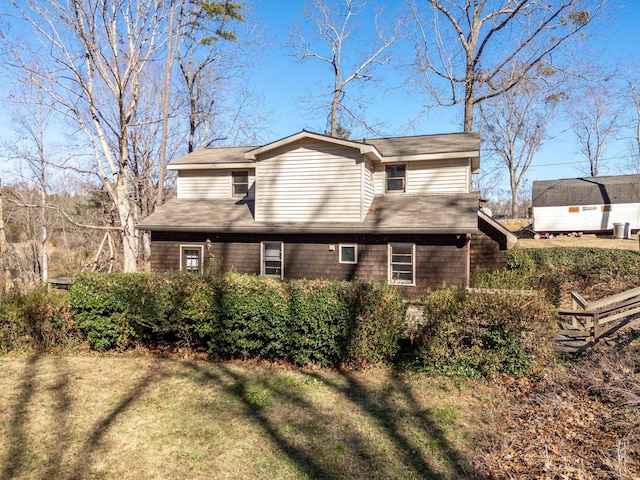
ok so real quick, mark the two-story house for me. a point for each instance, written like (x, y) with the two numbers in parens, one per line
(398, 210)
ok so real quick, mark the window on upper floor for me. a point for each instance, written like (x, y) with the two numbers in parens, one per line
(395, 178)
(240, 182)
(401, 263)
(191, 258)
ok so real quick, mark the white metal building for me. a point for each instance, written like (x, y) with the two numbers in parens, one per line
(591, 204)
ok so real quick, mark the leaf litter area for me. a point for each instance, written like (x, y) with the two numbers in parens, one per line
(578, 420)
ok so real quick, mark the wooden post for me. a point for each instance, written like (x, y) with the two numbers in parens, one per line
(596, 327)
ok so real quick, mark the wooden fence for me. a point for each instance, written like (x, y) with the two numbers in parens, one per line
(593, 320)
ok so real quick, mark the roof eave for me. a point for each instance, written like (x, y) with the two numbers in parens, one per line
(364, 149)
(209, 166)
(310, 229)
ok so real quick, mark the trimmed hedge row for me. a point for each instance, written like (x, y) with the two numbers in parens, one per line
(242, 316)
(324, 322)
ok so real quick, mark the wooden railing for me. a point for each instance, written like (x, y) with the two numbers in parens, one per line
(601, 317)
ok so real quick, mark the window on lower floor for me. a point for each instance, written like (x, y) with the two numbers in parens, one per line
(272, 259)
(191, 258)
(401, 263)
(348, 254)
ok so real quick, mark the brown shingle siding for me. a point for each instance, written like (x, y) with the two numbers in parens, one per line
(439, 258)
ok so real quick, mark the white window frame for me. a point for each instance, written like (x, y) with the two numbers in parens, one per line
(200, 248)
(233, 184)
(404, 183)
(355, 252)
(397, 281)
(263, 260)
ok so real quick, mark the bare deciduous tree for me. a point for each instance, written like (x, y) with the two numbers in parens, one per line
(514, 127)
(594, 116)
(464, 48)
(331, 42)
(632, 85)
(30, 148)
(94, 56)
(207, 56)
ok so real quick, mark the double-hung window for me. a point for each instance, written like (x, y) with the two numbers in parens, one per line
(240, 182)
(395, 178)
(191, 258)
(272, 259)
(402, 263)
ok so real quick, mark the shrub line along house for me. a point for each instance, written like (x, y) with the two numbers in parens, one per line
(398, 210)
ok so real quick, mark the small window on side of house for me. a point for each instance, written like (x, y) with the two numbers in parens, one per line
(191, 258)
(348, 253)
(395, 178)
(240, 182)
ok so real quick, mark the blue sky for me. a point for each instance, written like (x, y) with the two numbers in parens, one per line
(283, 82)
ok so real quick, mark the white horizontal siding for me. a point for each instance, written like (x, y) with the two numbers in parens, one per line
(207, 184)
(367, 189)
(429, 178)
(587, 218)
(309, 181)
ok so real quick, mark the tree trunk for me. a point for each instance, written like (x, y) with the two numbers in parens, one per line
(8, 281)
(44, 234)
(127, 222)
(334, 113)
(514, 197)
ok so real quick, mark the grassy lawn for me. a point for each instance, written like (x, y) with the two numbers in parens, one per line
(137, 417)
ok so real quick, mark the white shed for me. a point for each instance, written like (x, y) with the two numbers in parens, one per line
(591, 204)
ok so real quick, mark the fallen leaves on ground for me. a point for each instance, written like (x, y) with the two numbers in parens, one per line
(579, 420)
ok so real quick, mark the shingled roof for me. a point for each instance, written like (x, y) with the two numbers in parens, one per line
(426, 144)
(455, 214)
(586, 191)
(467, 144)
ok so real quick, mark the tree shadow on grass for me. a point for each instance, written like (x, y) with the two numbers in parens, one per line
(16, 457)
(59, 442)
(327, 445)
(365, 430)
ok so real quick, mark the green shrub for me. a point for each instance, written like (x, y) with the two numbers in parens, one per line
(590, 265)
(375, 335)
(250, 318)
(101, 305)
(322, 315)
(193, 319)
(503, 279)
(37, 320)
(242, 316)
(483, 334)
(119, 310)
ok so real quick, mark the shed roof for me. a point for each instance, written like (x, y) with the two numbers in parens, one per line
(455, 214)
(586, 191)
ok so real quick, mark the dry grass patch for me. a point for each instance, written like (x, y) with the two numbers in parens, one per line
(128, 417)
(589, 240)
